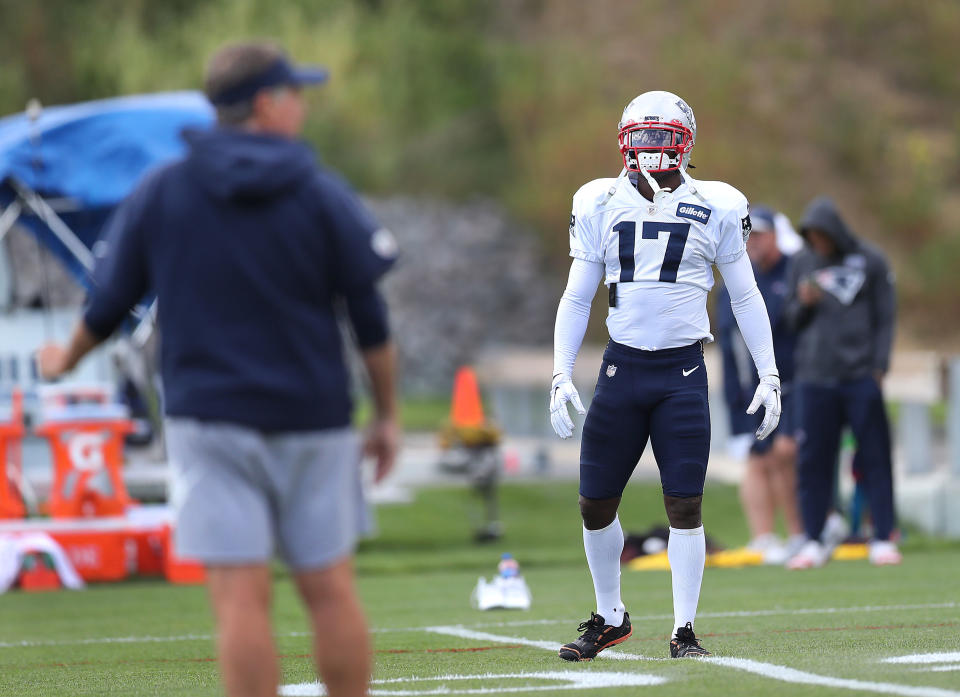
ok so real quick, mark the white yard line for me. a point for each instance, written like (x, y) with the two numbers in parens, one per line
(799, 677)
(26, 643)
(919, 658)
(465, 633)
(767, 670)
(568, 680)
(701, 615)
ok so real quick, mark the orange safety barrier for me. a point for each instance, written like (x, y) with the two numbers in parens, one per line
(83, 449)
(11, 434)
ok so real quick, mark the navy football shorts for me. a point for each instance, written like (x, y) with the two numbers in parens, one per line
(657, 394)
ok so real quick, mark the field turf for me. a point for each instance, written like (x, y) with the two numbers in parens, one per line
(824, 631)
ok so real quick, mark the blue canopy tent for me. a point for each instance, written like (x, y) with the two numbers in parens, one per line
(63, 169)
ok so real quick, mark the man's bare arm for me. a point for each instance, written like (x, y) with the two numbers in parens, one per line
(383, 436)
(54, 360)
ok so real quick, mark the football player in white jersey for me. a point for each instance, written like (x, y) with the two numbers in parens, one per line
(653, 236)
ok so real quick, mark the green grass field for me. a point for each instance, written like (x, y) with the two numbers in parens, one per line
(825, 631)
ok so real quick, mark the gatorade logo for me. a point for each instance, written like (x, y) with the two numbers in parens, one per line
(86, 451)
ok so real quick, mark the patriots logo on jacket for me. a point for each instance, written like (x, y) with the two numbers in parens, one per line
(842, 282)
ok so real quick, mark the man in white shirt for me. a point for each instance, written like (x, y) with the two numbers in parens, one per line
(652, 235)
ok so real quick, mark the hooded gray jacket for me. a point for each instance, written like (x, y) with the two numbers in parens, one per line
(848, 334)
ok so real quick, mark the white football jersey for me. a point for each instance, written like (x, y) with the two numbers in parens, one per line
(660, 260)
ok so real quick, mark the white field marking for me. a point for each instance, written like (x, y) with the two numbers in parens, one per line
(464, 633)
(27, 643)
(569, 681)
(705, 615)
(948, 660)
(925, 658)
(791, 675)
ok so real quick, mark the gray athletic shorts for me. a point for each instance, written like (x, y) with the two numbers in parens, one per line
(239, 495)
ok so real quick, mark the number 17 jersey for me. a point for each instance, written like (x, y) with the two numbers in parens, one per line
(659, 262)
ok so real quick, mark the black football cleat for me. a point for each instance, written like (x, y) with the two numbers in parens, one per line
(686, 645)
(597, 636)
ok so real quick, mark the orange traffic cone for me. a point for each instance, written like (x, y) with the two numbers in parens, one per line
(466, 408)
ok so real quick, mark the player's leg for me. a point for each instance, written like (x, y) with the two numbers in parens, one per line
(319, 490)
(240, 596)
(603, 545)
(863, 401)
(680, 436)
(614, 435)
(221, 508)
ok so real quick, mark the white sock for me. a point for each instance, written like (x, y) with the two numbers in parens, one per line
(687, 552)
(603, 549)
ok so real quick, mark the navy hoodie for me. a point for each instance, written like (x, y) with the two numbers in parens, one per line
(248, 245)
(848, 334)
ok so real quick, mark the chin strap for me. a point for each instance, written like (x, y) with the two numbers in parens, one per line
(660, 196)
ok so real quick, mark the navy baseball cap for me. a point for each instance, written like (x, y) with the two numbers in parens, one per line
(763, 218)
(280, 73)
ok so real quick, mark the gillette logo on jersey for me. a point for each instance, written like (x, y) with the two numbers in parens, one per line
(698, 213)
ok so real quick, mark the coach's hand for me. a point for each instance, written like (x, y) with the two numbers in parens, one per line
(561, 392)
(767, 394)
(51, 361)
(382, 443)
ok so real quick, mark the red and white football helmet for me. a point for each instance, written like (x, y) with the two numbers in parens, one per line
(657, 133)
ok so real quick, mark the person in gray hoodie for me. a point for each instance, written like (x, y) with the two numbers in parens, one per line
(841, 303)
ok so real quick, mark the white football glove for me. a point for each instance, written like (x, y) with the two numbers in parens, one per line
(767, 394)
(561, 392)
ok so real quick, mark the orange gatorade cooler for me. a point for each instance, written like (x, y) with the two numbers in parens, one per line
(86, 431)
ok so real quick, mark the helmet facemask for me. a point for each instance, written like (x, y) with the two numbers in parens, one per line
(653, 146)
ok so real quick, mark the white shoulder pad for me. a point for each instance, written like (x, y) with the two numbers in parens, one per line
(722, 197)
(588, 198)
(586, 239)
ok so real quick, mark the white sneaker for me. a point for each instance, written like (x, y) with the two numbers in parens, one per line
(761, 543)
(795, 544)
(811, 555)
(884, 553)
(776, 555)
(835, 530)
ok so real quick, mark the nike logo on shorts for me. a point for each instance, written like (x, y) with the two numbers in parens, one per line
(687, 372)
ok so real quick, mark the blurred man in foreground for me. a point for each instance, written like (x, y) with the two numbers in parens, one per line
(842, 306)
(249, 246)
(769, 483)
